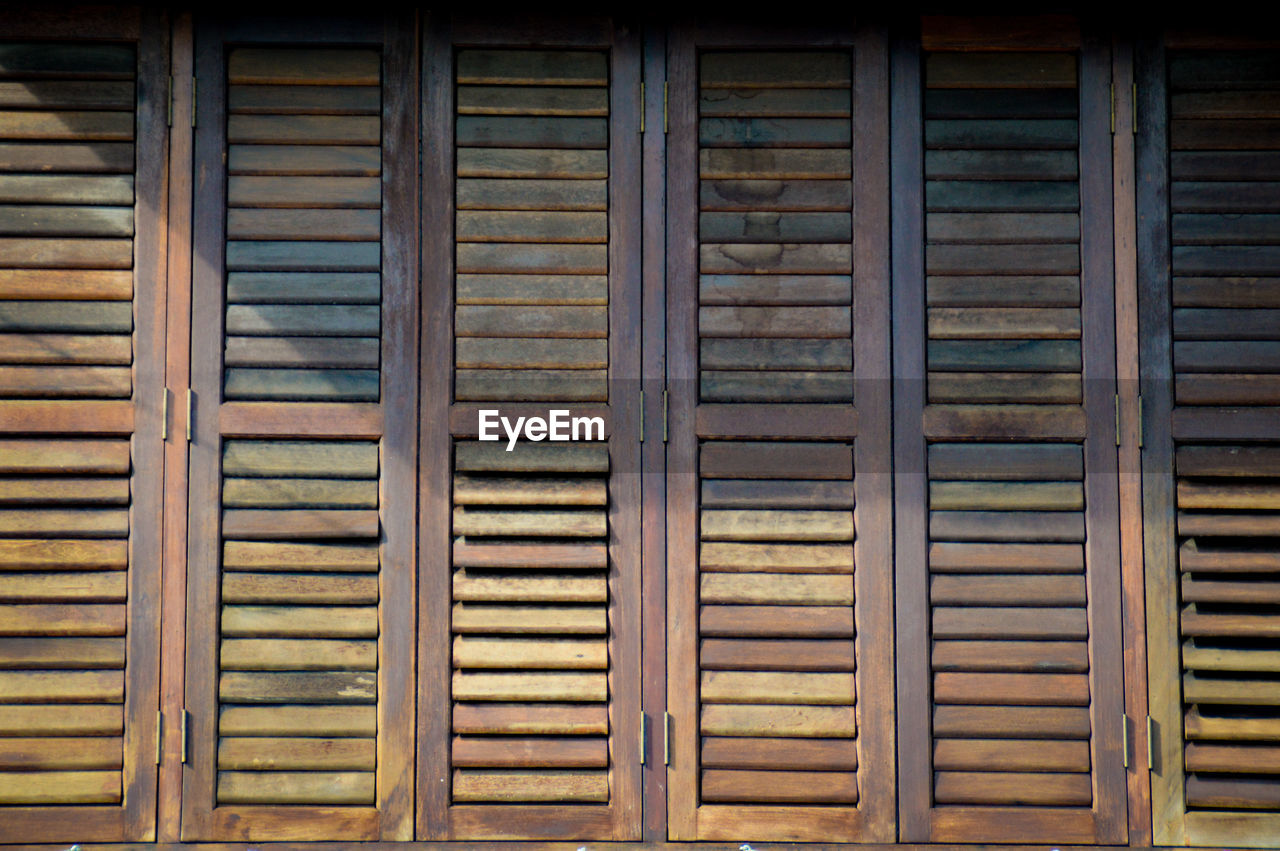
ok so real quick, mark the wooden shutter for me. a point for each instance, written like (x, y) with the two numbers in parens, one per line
(299, 682)
(779, 615)
(1007, 563)
(1212, 465)
(529, 619)
(82, 140)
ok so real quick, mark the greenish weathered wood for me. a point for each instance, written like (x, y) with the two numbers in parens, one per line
(312, 459)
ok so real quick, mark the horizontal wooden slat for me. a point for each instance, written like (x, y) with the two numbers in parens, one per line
(785, 787)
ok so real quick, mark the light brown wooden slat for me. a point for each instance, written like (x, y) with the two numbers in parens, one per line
(66, 382)
(306, 160)
(547, 719)
(779, 754)
(478, 587)
(530, 556)
(1021, 656)
(776, 688)
(302, 787)
(66, 189)
(1003, 496)
(297, 493)
(61, 754)
(46, 720)
(60, 787)
(325, 687)
(531, 163)
(250, 524)
(295, 754)
(996, 590)
(1232, 793)
(540, 686)
(489, 490)
(1009, 622)
(1012, 789)
(300, 458)
(782, 787)
(779, 558)
(287, 99)
(65, 457)
(293, 654)
(267, 588)
(776, 621)
(533, 753)
(532, 289)
(62, 686)
(66, 284)
(776, 589)
(775, 721)
(532, 194)
(1197, 590)
(1236, 692)
(96, 587)
(579, 786)
(544, 619)
(67, 94)
(67, 125)
(1228, 625)
(1235, 758)
(776, 493)
(1230, 461)
(526, 457)
(351, 721)
(1002, 722)
(550, 653)
(28, 253)
(780, 460)
(1010, 755)
(588, 523)
(1011, 689)
(77, 619)
(1004, 422)
(781, 322)
(64, 349)
(300, 621)
(1032, 526)
(52, 653)
(761, 525)
(303, 192)
(1006, 558)
(273, 555)
(531, 227)
(1200, 726)
(1196, 657)
(997, 323)
(738, 654)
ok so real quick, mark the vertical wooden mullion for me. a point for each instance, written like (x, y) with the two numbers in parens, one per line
(682, 447)
(204, 529)
(873, 458)
(624, 448)
(909, 474)
(1102, 553)
(652, 451)
(397, 478)
(177, 380)
(1133, 616)
(1156, 386)
(436, 358)
(142, 655)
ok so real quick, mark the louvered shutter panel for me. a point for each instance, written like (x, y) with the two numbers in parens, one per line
(530, 555)
(81, 372)
(779, 668)
(299, 656)
(1213, 558)
(1010, 693)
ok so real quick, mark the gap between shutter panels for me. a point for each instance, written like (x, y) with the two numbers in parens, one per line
(776, 664)
(66, 285)
(530, 655)
(1009, 652)
(1223, 210)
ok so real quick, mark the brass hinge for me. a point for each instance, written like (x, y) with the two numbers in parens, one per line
(664, 416)
(186, 730)
(644, 722)
(642, 416)
(193, 101)
(666, 738)
(164, 414)
(664, 107)
(1113, 107)
(1134, 127)
(1117, 419)
(191, 406)
(642, 105)
(1151, 737)
(159, 736)
(169, 119)
(1140, 425)
(1124, 738)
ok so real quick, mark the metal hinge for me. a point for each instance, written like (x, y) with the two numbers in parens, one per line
(164, 414)
(159, 736)
(642, 416)
(1151, 737)
(1117, 419)
(1134, 127)
(191, 406)
(186, 730)
(642, 106)
(644, 723)
(664, 107)
(193, 101)
(169, 119)
(1124, 738)
(666, 738)
(664, 416)
(1113, 107)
